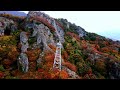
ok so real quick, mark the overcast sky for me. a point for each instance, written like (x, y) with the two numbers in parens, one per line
(102, 22)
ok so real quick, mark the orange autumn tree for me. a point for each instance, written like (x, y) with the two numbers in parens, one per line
(49, 57)
(48, 60)
(56, 74)
(63, 74)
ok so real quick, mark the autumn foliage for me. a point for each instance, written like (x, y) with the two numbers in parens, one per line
(49, 57)
(52, 47)
(33, 54)
(89, 76)
(13, 54)
(73, 35)
(84, 44)
(1, 75)
(65, 55)
(70, 66)
(63, 74)
(90, 56)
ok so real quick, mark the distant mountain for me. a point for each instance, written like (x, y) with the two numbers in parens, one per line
(112, 35)
(16, 13)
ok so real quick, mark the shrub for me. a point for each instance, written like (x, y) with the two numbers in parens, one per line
(31, 40)
(63, 74)
(49, 57)
(82, 68)
(65, 55)
(2, 68)
(70, 66)
(1, 75)
(33, 54)
(100, 66)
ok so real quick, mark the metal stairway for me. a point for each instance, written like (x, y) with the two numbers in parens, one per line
(57, 59)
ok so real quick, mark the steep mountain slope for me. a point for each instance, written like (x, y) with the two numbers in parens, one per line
(28, 46)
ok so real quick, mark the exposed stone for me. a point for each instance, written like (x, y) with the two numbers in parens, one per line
(81, 31)
(114, 70)
(71, 73)
(68, 25)
(39, 60)
(23, 62)
(6, 23)
(1, 32)
(59, 31)
(24, 41)
(13, 28)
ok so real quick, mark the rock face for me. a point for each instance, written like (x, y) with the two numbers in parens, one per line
(23, 62)
(6, 25)
(40, 36)
(58, 30)
(43, 36)
(81, 31)
(24, 41)
(114, 70)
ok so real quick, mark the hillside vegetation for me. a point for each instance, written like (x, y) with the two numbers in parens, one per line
(32, 40)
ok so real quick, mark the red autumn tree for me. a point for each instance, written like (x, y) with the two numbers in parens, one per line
(65, 55)
(49, 57)
(33, 54)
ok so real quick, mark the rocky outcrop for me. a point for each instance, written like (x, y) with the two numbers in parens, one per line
(23, 62)
(59, 32)
(71, 73)
(43, 35)
(114, 70)
(7, 26)
(77, 29)
(80, 31)
(48, 21)
(24, 41)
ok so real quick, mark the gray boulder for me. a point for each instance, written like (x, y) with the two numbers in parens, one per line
(23, 62)
(1, 32)
(24, 41)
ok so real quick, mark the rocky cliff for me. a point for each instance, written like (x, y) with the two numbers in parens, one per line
(28, 46)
